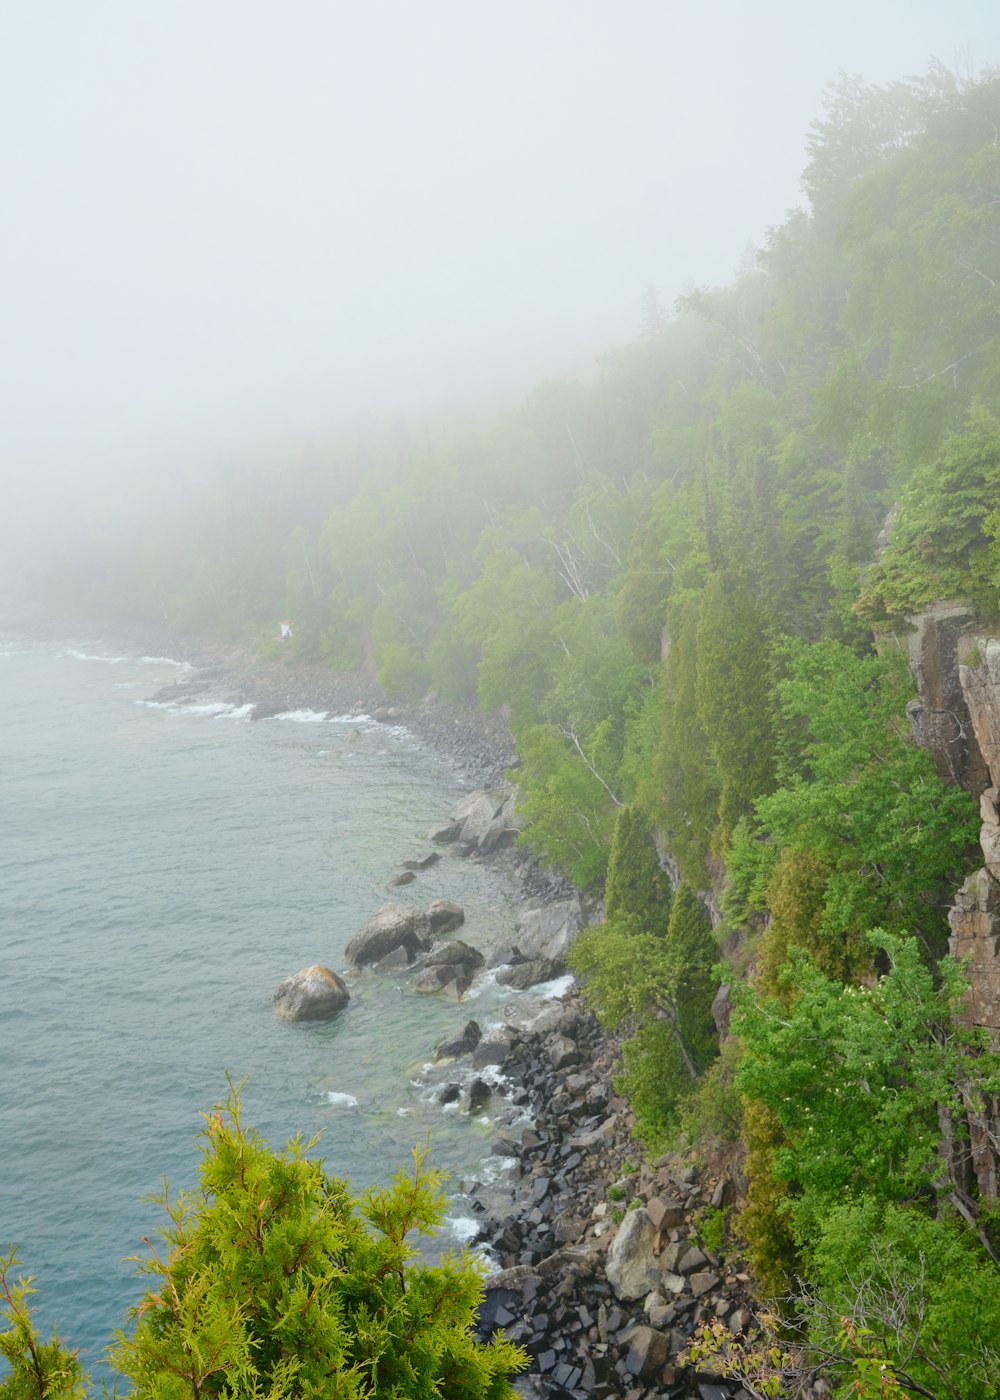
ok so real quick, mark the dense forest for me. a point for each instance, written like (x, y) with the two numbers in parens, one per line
(670, 581)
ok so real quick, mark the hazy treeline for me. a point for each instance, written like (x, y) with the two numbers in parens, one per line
(666, 578)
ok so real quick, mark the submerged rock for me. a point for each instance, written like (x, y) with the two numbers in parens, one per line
(455, 951)
(310, 995)
(421, 862)
(462, 1044)
(452, 978)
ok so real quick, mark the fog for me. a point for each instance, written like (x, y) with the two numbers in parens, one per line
(232, 227)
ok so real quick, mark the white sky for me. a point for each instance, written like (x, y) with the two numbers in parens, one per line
(228, 225)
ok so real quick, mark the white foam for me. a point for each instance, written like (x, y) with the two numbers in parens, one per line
(215, 709)
(91, 656)
(341, 1100)
(79, 655)
(304, 716)
(350, 719)
(494, 1168)
(492, 1075)
(487, 983)
(558, 987)
(461, 1227)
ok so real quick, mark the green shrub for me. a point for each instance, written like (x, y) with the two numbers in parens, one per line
(274, 1281)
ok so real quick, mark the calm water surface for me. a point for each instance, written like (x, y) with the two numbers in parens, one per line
(161, 871)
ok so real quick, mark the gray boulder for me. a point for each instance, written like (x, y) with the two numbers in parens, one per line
(421, 862)
(522, 975)
(396, 961)
(443, 833)
(648, 1353)
(482, 821)
(454, 951)
(450, 978)
(547, 931)
(461, 1044)
(533, 1017)
(494, 1049)
(310, 995)
(444, 916)
(632, 1269)
(395, 926)
(476, 1096)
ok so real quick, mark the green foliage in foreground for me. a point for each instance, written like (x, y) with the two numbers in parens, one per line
(275, 1281)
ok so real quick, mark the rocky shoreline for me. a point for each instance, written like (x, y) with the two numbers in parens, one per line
(598, 1271)
(600, 1274)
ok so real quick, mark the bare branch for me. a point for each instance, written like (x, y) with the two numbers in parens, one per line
(571, 735)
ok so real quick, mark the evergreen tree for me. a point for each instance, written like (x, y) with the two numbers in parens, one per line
(637, 883)
(275, 1281)
(734, 691)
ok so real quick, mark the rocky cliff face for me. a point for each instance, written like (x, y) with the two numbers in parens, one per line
(942, 639)
(957, 718)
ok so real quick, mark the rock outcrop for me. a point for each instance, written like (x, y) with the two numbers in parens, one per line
(483, 822)
(975, 917)
(444, 916)
(310, 995)
(545, 932)
(942, 638)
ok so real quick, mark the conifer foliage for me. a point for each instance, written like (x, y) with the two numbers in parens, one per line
(275, 1281)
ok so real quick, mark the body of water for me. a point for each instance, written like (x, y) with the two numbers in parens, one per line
(162, 869)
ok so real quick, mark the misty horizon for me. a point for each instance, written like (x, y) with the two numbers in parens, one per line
(237, 237)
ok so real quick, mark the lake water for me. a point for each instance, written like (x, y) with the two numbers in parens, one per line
(162, 869)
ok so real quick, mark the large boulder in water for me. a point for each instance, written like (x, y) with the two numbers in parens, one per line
(310, 995)
(395, 926)
(452, 978)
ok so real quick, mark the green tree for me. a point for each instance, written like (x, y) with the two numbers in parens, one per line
(37, 1370)
(857, 1078)
(863, 798)
(637, 883)
(684, 765)
(275, 1281)
(734, 692)
(938, 547)
(660, 989)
